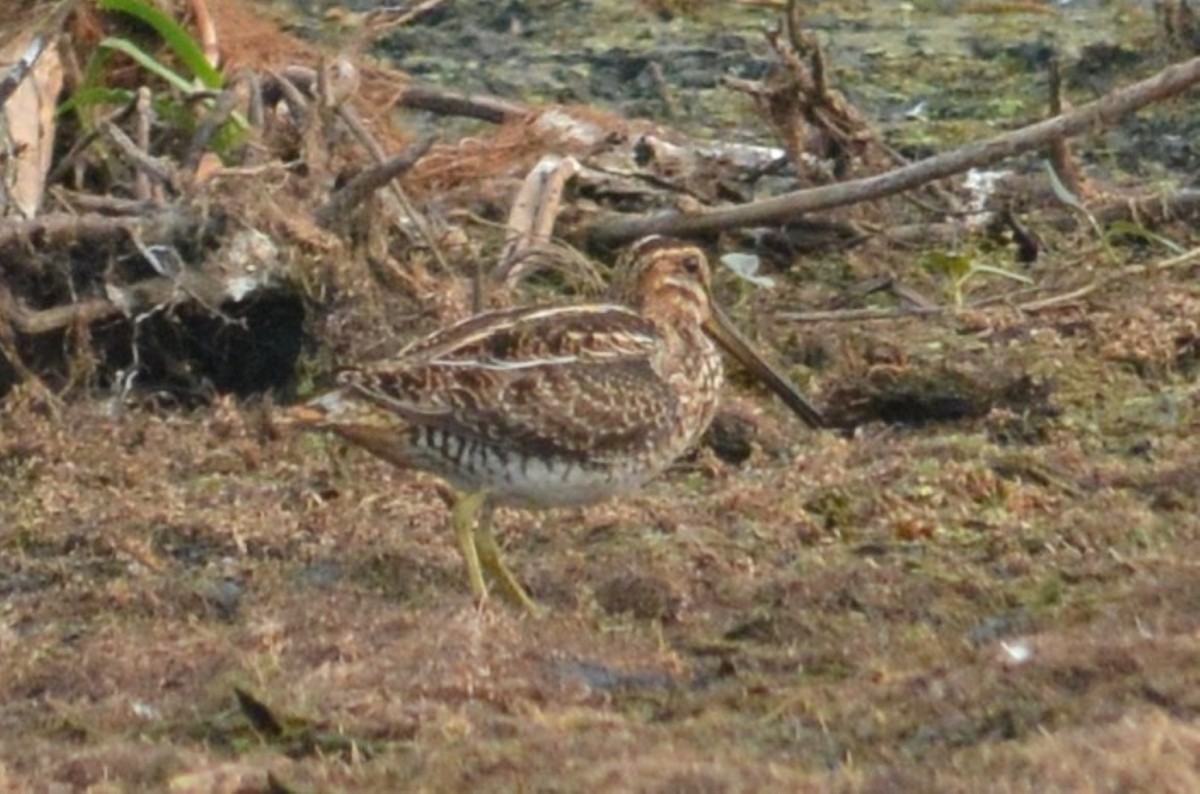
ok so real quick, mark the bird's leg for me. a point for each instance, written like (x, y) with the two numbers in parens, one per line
(489, 556)
(464, 514)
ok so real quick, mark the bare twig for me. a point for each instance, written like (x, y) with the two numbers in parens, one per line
(386, 18)
(221, 111)
(158, 169)
(351, 119)
(817, 126)
(1152, 209)
(356, 191)
(1059, 150)
(122, 301)
(255, 113)
(613, 230)
(329, 86)
(142, 121)
(103, 204)
(430, 98)
(447, 103)
(42, 321)
(116, 117)
(285, 83)
(866, 315)
(61, 229)
(128, 301)
(324, 95)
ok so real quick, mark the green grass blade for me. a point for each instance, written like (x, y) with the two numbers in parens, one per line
(999, 271)
(182, 43)
(1136, 231)
(147, 62)
(1072, 201)
(93, 79)
(96, 95)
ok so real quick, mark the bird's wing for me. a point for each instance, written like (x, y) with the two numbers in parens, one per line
(522, 336)
(572, 381)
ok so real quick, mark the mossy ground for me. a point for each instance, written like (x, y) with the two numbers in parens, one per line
(1006, 602)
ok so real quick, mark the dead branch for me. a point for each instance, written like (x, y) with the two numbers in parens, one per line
(11, 355)
(175, 284)
(867, 315)
(330, 86)
(358, 189)
(1059, 152)
(161, 171)
(81, 144)
(351, 119)
(102, 204)
(127, 301)
(447, 103)
(255, 113)
(1153, 209)
(283, 86)
(614, 230)
(62, 229)
(823, 133)
(83, 313)
(381, 20)
(337, 82)
(222, 110)
(142, 189)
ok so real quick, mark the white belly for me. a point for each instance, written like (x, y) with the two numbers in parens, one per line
(537, 483)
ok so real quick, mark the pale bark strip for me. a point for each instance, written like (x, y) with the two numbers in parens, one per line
(534, 211)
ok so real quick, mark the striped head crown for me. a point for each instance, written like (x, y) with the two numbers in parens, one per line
(667, 274)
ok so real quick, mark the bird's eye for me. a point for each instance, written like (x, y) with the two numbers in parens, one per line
(691, 264)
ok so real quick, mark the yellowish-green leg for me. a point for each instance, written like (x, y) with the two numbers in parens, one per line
(489, 555)
(463, 516)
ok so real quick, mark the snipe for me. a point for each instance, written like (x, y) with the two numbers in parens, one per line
(550, 406)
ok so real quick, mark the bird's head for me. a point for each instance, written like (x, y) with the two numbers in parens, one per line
(670, 282)
(666, 279)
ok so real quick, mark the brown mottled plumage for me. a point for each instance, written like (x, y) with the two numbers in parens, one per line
(550, 406)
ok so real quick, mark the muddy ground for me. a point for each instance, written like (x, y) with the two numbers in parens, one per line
(992, 584)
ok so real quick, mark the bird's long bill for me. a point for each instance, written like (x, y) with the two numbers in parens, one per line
(730, 338)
